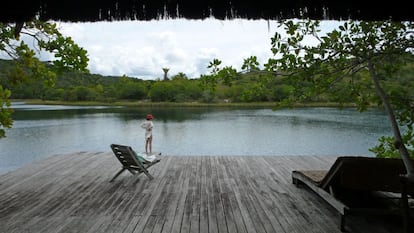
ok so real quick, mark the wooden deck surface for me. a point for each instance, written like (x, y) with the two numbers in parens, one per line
(72, 193)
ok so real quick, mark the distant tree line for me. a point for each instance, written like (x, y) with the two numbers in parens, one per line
(243, 87)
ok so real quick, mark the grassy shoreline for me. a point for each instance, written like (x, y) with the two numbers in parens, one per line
(175, 104)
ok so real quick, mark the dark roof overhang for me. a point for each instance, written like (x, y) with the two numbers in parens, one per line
(110, 10)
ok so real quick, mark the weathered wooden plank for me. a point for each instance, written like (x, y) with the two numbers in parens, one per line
(216, 195)
(72, 193)
(155, 187)
(196, 205)
(223, 199)
(284, 203)
(209, 197)
(248, 201)
(204, 228)
(261, 195)
(181, 189)
(165, 208)
(243, 219)
(171, 199)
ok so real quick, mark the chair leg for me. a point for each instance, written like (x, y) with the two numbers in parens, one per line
(142, 170)
(147, 174)
(405, 207)
(343, 223)
(117, 174)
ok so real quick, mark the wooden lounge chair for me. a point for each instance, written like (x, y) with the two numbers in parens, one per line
(362, 185)
(131, 161)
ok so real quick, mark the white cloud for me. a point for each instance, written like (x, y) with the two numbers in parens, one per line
(142, 48)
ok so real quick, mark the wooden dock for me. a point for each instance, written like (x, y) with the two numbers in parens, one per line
(72, 193)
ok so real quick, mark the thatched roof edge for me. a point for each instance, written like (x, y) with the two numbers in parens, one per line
(109, 10)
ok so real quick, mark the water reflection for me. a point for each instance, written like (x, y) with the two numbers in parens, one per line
(41, 131)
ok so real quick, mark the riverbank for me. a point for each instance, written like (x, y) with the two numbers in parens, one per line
(181, 104)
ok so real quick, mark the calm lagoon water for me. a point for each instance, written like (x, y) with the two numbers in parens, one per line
(41, 131)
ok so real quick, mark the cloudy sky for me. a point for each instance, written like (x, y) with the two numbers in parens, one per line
(142, 48)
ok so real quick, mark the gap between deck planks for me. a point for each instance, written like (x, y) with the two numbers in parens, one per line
(72, 193)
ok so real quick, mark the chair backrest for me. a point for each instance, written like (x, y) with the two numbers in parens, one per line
(366, 173)
(124, 155)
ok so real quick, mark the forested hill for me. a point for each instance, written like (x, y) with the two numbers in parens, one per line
(75, 86)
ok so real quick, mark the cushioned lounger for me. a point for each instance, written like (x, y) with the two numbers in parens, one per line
(361, 185)
(131, 161)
